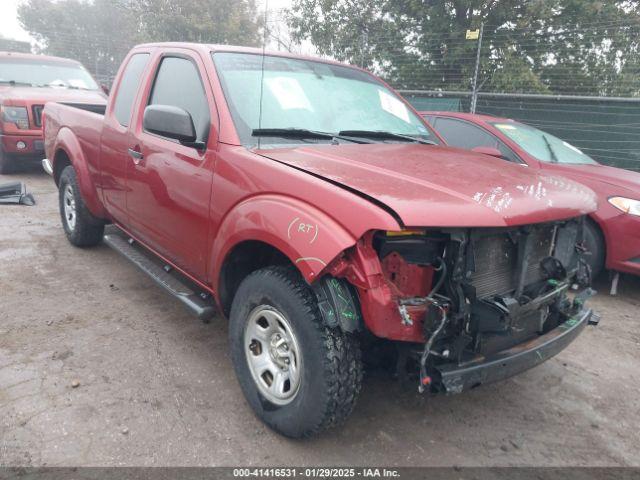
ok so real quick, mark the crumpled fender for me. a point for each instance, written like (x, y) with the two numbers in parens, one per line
(66, 140)
(306, 235)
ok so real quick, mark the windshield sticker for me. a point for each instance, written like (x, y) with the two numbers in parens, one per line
(395, 107)
(502, 126)
(288, 93)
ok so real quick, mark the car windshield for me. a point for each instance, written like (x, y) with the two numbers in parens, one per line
(543, 146)
(42, 73)
(312, 96)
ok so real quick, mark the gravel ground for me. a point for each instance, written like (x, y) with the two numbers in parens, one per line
(98, 366)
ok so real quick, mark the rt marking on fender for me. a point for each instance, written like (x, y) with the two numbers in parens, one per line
(291, 225)
(304, 228)
(315, 235)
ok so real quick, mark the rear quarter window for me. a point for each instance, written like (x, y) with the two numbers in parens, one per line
(126, 92)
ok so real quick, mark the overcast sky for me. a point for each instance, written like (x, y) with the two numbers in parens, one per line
(10, 28)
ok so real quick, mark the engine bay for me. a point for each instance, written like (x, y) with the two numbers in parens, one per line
(477, 292)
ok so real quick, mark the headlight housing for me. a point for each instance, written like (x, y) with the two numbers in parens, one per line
(16, 115)
(627, 205)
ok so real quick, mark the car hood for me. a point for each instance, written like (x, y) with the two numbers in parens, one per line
(42, 95)
(437, 186)
(616, 177)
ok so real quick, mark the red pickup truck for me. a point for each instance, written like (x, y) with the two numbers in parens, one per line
(27, 82)
(313, 207)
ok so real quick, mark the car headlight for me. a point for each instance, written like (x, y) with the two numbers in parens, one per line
(16, 115)
(627, 205)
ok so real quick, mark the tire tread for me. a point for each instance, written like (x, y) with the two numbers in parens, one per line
(342, 359)
(89, 230)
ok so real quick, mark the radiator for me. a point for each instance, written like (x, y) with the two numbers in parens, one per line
(496, 258)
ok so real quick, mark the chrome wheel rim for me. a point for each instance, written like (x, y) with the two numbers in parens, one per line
(273, 355)
(69, 207)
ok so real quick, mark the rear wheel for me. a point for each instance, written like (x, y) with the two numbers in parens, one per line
(6, 164)
(596, 249)
(298, 375)
(80, 226)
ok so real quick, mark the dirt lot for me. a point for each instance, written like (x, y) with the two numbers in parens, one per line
(157, 386)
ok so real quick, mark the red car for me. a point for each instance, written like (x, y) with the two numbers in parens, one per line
(27, 82)
(312, 206)
(613, 230)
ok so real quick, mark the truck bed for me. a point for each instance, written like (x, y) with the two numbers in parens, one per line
(98, 108)
(84, 122)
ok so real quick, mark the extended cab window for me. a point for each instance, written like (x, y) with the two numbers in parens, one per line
(128, 87)
(178, 84)
(459, 133)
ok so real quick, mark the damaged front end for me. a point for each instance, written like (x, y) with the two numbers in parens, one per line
(472, 305)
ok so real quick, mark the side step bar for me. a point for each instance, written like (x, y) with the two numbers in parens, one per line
(199, 303)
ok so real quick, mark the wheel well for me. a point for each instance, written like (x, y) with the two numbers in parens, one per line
(245, 258)
(600, 232)
(596, 224)
(60, 161)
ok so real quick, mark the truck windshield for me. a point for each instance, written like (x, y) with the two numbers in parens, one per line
(42, 73)
(542, 145)
(318, 97)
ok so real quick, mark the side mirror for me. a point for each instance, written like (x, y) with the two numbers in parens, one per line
(171, 122)
(494, 152)
(105, 89)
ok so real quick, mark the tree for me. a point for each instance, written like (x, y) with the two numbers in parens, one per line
(99, 33)
(203, 21)
(561, 46)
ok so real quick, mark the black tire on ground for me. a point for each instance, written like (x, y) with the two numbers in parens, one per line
(86, 230)
(331, 368)
(6, 165)
(596, 248)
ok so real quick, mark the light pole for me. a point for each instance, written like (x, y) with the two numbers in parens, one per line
(474, 86)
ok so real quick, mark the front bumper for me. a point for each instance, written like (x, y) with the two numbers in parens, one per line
(33, 145)
(623, 243)
(457, 378)
(47, 167)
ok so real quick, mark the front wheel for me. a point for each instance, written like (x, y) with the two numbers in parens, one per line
(80, 226)
(596, 249)
(298, 375)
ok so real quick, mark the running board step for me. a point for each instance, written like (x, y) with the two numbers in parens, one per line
(199, 303)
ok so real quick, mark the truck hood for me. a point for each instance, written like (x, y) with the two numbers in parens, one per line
(437, 186)
(41, 95)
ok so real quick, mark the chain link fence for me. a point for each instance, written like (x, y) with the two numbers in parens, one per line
(580, 84)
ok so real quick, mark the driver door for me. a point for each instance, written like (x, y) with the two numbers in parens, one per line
(169, 184)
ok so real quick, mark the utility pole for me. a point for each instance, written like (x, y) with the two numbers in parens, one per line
(474, 90)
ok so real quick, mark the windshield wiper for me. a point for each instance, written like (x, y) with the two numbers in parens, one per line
(382, 135)
(13, 82)
(300, 133)
(68, 87)
(554, 157)
(54, 85)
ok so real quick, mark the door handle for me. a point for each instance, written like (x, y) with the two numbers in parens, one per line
(137, 156)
